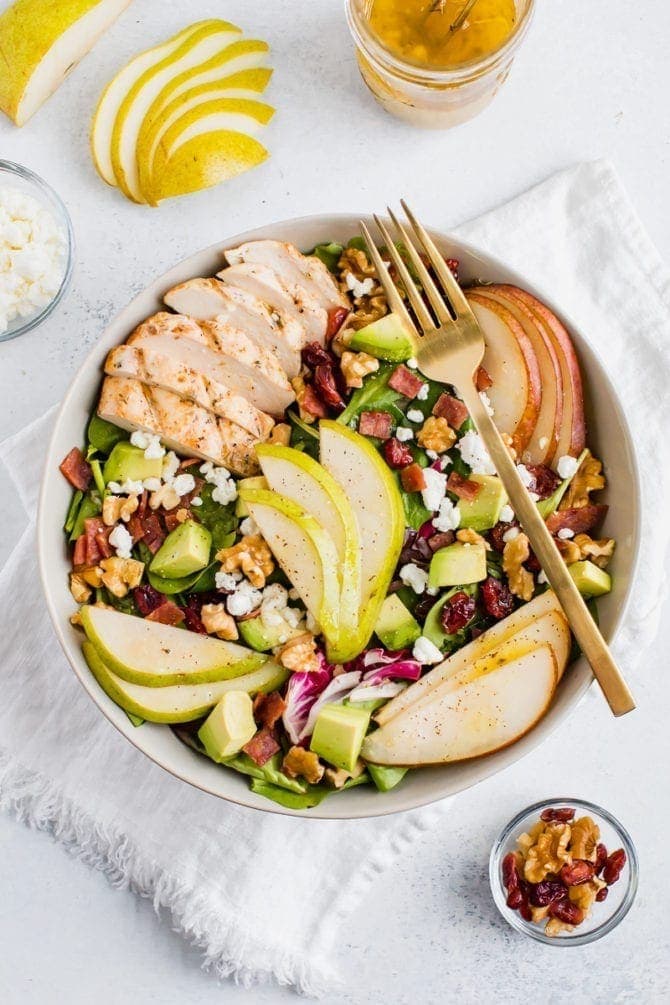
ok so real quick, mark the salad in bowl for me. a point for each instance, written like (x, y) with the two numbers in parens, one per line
(291, 549)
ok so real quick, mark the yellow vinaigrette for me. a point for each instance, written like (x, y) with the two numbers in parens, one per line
(421, 32)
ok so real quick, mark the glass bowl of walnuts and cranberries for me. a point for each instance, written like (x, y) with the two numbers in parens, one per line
(564, 871)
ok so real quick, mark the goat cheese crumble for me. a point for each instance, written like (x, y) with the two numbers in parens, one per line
(404, 433)
(565, 533)
(359, 287)
(244, 599)
(150, 443)
(436, 486)
(414, 415)
(567, 466)
(506, 514)
(415, 577)
(121, 541)
(426, 652)
(475, 454)
(225, 490)
(448, 516)
(510, 534)
(422, 393)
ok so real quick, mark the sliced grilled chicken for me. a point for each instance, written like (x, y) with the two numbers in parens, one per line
(242, 367)
(208, 299)
(287, 300)
(182, 425)
(158, 369)
(291, 265)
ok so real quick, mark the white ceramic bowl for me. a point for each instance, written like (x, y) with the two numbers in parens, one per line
(608, 436)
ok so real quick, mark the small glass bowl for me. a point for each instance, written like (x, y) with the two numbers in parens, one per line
(16, 176)
(604, 916)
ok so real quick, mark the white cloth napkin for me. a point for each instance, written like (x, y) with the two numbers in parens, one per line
(266, 896)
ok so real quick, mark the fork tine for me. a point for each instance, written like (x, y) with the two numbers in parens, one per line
(449, 284)
(435, 297)
(393, 297)
(422, 313)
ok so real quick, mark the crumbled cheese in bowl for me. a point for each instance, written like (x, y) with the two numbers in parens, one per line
(33, 256)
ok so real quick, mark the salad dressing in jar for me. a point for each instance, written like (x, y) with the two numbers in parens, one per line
(436, 63)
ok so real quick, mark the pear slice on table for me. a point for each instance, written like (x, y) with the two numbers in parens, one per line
(306, 553)
(373, 495)
(487, 643)
(155, 655)
(194, 49)
(480, 717)
(212, 142)
(115, 92)
(179, 702)
(40, 43)
(299, 477)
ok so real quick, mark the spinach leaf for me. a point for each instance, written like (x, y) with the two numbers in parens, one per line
(89, 507)
(198, 582)
(124, 604)
(329, 254)
(103, 435)
(270, 773)
(73, 509)
(415, 512)
(97, 477)
(303, 436)
(374, 396)
(135, 719)
(219, 520)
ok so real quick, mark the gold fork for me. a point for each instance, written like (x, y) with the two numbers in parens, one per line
(450, 349)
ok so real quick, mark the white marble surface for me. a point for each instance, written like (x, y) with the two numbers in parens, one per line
(590, 82)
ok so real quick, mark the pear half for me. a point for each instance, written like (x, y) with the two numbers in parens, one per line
(299, 477)
(115, 92)
(180, 702)
(211, 142)
(155, 655)
(40, 43)
(194, 49)
(306, 553)
(375, 500)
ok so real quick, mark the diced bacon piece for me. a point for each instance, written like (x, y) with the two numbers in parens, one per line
(579, 521)
(79, 553)
(311, 403)
(464, 488)
(397, 454)
(261, 747)
(482, 380)
(142, 505)
(92, 527)
(167, 614)
(76, 469)
(268, 708)
(188, 462)
(452, 409)
(405, 382)
(336, 318)
(102, 541)
(412, 478)
(154, 535)
(135, 527)
(171, 519)
(375, 424)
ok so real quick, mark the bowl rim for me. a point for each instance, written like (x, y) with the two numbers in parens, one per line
(533, 931)
(13, 168)
(387, 806)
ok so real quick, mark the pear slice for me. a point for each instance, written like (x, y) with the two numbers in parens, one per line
(374, 497)
(197, 47)
(306, 553)
(213, 141)
(490, 640)
(114, 94)
(155, 655)
(40, 43)
(477, 718)
(179, 702)
(299, 477)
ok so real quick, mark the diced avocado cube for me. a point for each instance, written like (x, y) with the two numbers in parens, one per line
(483, 512)
(338, 734)
(387, 338)
(228, 726)
(457, 565)
(128, 463)
(590, 580)
(257, 482)
(384, 777)
(396, 628)
(262, 637)
(185, 550)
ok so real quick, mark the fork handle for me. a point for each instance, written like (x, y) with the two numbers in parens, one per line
(585, 630)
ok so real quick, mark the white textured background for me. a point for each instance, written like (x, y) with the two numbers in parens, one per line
(592, 80)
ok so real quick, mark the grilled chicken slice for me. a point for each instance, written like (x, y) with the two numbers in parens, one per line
(182, 425)
(293, 267)
(274, 331)
(158, 369)
(240, 366)
(290, 301)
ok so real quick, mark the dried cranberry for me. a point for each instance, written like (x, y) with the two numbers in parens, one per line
(497, 598)
(147, 599)
(313, 355)
(452, 264)
(194, 603)
(602, 894)
(457, 611)
(336, 318)
(532, 562)
(324, 384)
(577, 873)
(545, 481)
(441, 540)
(496, 535)
(515, 898)
(562, 814)
(546, 892)
(525, 911)
(396, 454)
(510, 872)
(601, 858)
(566, 911)
(613, 866)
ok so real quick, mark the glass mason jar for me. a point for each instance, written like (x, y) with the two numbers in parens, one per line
(426, 97)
